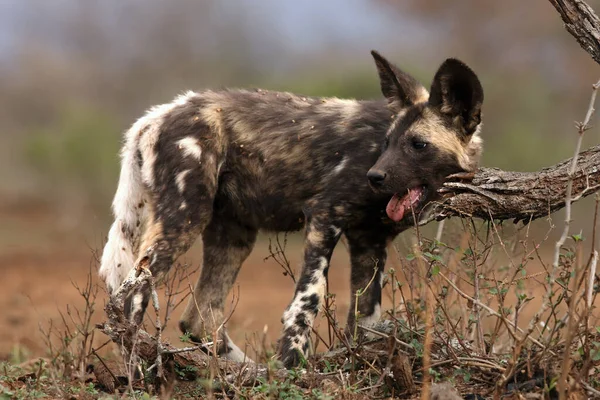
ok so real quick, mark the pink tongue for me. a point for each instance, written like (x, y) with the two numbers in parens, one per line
(398, 206)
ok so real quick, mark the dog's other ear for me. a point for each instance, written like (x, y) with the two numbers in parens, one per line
(457, 93)
(400, 89)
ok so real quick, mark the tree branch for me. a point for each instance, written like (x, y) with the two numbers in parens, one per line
(581, 22)
(521, 196)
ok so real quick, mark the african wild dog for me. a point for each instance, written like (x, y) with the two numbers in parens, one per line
(224, 164)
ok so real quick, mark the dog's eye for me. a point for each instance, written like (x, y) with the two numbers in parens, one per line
(419, 145)
(386, 143)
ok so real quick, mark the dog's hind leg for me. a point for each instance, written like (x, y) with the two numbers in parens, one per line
(367, 256)
(179, 209)
(227, 243)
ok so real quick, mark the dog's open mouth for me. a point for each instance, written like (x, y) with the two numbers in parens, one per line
(398, 206)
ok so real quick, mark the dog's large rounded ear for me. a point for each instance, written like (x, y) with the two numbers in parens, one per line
(399, 88)
(457, 93)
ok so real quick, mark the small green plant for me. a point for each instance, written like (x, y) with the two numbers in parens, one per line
(19, 354)
(91, 389)
(284, 390)
(185, 372)
(186, 337)
(317, 394)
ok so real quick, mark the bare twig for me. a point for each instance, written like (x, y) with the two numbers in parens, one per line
(491, 311)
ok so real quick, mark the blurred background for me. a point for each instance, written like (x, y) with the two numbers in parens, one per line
(75, 74)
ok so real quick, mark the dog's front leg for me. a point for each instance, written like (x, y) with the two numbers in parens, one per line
(321, 238)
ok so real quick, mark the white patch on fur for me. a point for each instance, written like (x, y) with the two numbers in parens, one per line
(137, 303)
(336, 231)
(183, 205)
(317, 285)
(374, 147)
(323, 260)
(474, 149)
(183, 98)
(235, 353)
(118, 256)
(296, 307)
(370, 320)
(397, 118)
(180, 180)
(340, 167)
(152, 122)
(348, 107)
(190, 147)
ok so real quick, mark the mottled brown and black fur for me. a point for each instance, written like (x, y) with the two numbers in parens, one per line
(226, 164)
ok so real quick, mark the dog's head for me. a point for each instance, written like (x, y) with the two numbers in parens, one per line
(434, 134)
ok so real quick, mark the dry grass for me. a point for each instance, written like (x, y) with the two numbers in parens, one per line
(464, 310)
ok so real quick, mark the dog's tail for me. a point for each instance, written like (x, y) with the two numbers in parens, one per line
(120, 251)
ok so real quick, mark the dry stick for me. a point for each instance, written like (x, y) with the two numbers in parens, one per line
(590, 389)
(386, 336)
(390, 356)
(105, 366)
(357, 295)
(428, 341)
(594, 261)
(501, 298)
(159, 347)
(508, 323)
(573, 323)
(440, 231)
(476, 311)
(474, 361)
(453, 330)
(581, 128)
(277, 253)
(584, 371)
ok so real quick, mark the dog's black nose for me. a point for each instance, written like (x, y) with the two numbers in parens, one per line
(376, 177)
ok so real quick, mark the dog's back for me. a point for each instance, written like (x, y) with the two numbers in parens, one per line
(283, 151)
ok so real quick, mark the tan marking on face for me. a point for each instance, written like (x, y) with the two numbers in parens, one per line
(431, 128)
(474, 149)
(395, 122)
